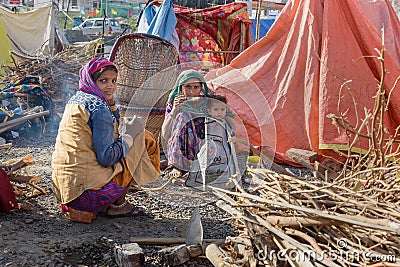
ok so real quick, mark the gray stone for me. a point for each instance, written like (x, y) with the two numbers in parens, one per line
(173, 256)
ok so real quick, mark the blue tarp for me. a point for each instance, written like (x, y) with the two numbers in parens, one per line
(159, 21)
(77, 21)
(265, 25)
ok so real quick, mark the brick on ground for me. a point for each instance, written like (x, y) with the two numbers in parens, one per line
(173, 256)
(129, 255)
(306, 155)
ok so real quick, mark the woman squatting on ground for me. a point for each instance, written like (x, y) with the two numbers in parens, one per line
(97, 159)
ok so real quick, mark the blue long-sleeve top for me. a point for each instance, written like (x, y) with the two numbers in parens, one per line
(107, 143)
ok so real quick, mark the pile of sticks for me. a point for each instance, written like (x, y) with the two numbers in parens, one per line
(373, 172)
(24, 183)
(54, 71)
(36, 112)
(350, 220)
(59, 74)
(294, 220)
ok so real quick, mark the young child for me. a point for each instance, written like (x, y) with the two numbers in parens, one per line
(215, 159)
(216, 107)
(219, 122)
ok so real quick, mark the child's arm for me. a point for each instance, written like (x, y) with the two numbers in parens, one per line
(166, 127)
(230, 122)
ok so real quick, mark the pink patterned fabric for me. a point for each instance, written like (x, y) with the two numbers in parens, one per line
(184, 144)
(212, 29)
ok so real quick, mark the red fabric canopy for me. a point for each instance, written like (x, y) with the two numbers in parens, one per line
(284, 86)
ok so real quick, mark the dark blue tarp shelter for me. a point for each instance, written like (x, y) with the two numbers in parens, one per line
(265, 25)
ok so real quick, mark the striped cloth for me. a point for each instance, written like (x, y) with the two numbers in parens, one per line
(97, 200)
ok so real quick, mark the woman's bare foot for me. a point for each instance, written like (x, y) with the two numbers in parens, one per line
(163, 164)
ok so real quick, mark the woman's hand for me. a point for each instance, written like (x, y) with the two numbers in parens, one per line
(178, 101)
(111, 102)
(133, 127)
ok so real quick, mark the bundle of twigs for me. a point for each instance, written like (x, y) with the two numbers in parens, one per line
(352, 220)
(58, 73)
(324, 223)
(373, 172)
(24, 183)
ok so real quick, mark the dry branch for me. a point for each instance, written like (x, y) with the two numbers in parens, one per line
(59, 73)
(354, 214)
(6, 146)
(23, 182)
(6, 126)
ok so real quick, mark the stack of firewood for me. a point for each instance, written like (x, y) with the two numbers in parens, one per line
(24, 183)
(58, 74)
(296, 220)
(352, 219)
(56, 71)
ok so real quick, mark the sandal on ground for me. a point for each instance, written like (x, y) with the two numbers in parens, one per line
(175, 176)
(135, 188)
(135, 211)
(81, 215)
(163, 165)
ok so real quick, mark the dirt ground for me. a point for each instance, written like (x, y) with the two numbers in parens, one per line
(45, 237)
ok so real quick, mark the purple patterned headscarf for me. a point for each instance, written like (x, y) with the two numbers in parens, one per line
(86, 83)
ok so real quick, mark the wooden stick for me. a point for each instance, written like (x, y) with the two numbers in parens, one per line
(258, 19)
(264, 157)
(295, 221)
(216, 255)
(282, 221)
(356, 220)
(6, 146)
(308, 166)
(384, 264)
(308, 238)
(24, 178)
(15, 122)
(9, 168)
(287, 238)
(33, 110)
(166, 240)
(41, 190)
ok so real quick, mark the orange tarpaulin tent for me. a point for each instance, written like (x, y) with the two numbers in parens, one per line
(295, 74)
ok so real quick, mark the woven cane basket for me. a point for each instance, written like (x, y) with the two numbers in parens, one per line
(143, 86)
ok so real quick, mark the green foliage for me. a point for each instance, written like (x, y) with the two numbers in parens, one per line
(132, 22)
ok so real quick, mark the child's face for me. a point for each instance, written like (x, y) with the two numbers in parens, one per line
(217, 110)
